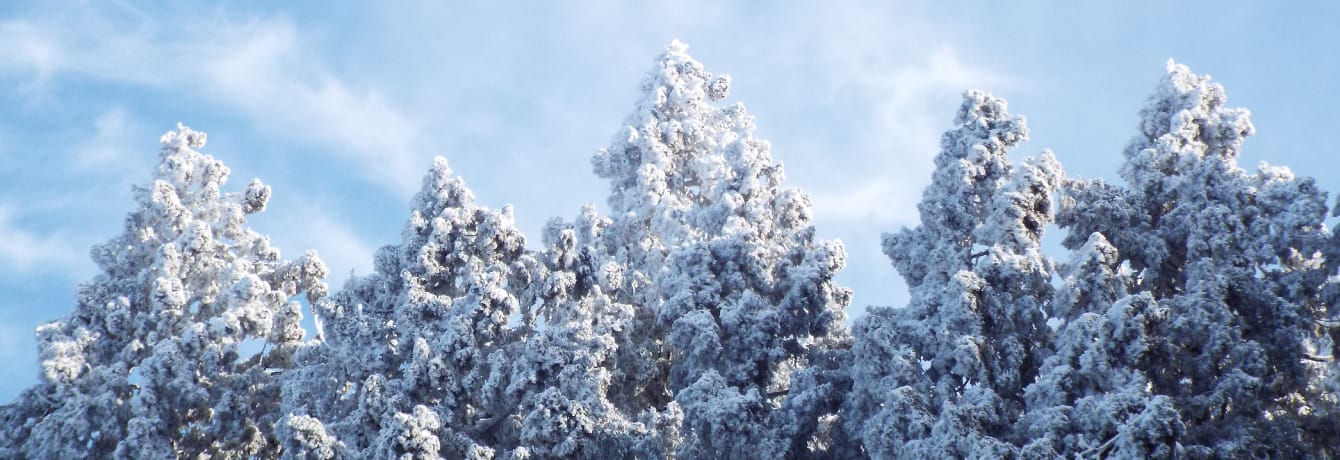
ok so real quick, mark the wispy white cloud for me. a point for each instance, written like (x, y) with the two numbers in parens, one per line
(26, 251)
(263, 70)
(26, 47)
(82, 42)
(311, 224)
(259, 68)
(109, 145)
(907, 106)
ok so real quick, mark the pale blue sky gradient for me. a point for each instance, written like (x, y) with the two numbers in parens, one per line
(341, 109)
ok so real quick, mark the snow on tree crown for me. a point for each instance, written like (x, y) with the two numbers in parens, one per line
(1184, 121)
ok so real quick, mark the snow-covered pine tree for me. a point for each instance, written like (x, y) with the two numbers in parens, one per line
(564, 370)
(148, 364)
(945, 376)
(1091, 398)
(1234, 258)
(412, 359)
(732, 294)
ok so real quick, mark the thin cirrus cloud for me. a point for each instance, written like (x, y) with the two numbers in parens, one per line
(909, 105)
(262, 74)
(25, 251)
(107, 150)
(257, 67)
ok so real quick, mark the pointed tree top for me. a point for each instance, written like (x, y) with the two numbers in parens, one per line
(971, 164)
(988, 118)
(679, 86)
(183, 137)
(1187, 115)
(673, 136)
(676, 47)
(441, 190)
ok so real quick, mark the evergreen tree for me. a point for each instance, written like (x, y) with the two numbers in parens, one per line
(1235, 259)
(731, 291)
(568, 362)
(945, 376)
(1092, 398)
(413, 358)
(149, 364)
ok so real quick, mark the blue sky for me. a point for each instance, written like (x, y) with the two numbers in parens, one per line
(341, 109)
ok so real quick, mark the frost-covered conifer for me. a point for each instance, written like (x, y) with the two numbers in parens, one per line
(413, 358)
(147, 365)
(1091, 398)
(945, 376)
(1234, 258)
(732, 294)
(563, 371)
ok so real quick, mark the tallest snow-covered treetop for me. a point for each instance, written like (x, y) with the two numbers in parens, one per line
(734, 298)
(669, 158)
